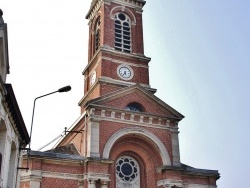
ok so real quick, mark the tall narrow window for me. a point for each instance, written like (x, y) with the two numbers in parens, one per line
(97, 34)
(122, 33)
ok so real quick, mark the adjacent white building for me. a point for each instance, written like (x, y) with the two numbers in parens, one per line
(13, 133)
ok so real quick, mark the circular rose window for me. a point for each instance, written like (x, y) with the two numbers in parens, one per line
(127, 170)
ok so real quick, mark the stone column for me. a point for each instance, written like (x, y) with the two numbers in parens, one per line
(35, 184)
(93, 139)
(104, 184)
(81, 184)
(91, 184)
(175, 148)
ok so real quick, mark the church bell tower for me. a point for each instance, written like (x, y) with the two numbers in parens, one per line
(116, 54)
(131, 132)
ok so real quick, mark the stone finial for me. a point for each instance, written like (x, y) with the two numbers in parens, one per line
(1, 17)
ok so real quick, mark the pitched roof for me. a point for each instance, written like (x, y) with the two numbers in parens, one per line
(67, 149)
(16, 114)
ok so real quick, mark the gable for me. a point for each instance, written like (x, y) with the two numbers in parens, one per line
(137, 94)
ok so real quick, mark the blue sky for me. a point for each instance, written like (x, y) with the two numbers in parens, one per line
(200, 65)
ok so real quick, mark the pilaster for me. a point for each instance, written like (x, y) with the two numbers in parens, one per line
(104, 184)
(92, 184)
(94, 178)
(167, 183)
(175, 148)
(93, 138)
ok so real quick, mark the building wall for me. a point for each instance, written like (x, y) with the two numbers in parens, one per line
(10, 131)
(46, 172)
(9, 147)
(3, 53)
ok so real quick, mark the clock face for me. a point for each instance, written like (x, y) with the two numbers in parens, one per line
(92, 78)
(124, 72)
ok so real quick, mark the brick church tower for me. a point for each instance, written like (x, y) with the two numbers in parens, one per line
(126, 137)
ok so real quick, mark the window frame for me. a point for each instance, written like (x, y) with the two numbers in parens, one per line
(97, 34)
(122, 32)
(130, 176)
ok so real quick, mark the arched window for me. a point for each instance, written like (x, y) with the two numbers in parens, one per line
(127, 173)
(122, 33)
(134, 106)
(97, 33)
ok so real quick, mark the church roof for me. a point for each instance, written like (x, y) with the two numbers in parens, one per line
(16, 113)
(192, 171)
(57, 156)
(197, 171)
(67, 149)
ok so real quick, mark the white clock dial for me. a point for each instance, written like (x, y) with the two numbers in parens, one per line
(125, 72)
(93, 78)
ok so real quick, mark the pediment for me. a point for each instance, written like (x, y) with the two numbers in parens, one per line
(151, 104)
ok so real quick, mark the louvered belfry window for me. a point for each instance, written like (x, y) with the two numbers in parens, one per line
(97, 34)
(122, 33)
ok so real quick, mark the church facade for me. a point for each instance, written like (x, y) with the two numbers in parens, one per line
(125, 137)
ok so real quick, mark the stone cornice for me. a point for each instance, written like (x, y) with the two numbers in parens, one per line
(135, 118)
(136, 4)
(115, 53)
(37, 175)
(107, 80)
(187, 170)
(96, 4)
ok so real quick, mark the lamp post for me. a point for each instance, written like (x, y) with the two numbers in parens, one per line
(63, 89)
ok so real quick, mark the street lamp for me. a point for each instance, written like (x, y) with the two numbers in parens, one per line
(63, 89)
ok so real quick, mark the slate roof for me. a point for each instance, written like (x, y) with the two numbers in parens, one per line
(69, 149)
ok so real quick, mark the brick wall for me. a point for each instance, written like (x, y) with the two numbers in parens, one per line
(58, 183)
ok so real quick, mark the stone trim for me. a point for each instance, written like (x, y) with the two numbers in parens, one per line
(162, 150)
(92, 12)
(198, 186)
(169, 183)
(123, 9)
(97, 176)
(124, 62)
(37, 175)
(153, 121)
(115, 53)
(138, 4)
